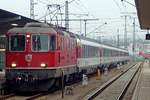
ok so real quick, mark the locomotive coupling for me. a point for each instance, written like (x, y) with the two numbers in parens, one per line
(26, 78)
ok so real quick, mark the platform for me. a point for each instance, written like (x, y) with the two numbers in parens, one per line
(142, 90)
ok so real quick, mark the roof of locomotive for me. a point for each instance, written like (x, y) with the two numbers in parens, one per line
(41, 28)
(33, 28)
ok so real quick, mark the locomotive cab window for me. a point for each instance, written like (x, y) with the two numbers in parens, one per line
(40, 42)
(17, 42)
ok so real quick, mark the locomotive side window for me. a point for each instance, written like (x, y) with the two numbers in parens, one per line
(40, 42)
(17, 43)
(52, 42)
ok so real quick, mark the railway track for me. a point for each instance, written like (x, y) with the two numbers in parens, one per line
(35, 96)
(6, 96)
(20, 97)
(23, 96)
(115, 88)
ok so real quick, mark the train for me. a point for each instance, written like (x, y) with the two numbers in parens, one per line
(38, 55)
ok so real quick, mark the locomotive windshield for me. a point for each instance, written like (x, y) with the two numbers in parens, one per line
(17, 43)
(40, 42)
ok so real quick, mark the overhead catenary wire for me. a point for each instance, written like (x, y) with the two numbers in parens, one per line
(128, 2)
(86, 8)
(79, 8)
(117, 5)
(55, 10)
(41, 1)
(48, 1)
(98, 27)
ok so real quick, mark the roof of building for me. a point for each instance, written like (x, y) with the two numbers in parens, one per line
(143, 13)
(9, 20)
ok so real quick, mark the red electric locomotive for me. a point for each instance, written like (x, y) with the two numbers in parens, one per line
(36, 56)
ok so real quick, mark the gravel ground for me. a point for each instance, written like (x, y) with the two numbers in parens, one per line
(80, 91)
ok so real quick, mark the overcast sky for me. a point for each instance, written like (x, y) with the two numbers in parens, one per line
(109, 11)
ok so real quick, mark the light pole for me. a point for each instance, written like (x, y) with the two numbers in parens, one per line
(126, 15)
(133, 39)
(125, 33)
(133, 26)
(85, 22)
(118, 38)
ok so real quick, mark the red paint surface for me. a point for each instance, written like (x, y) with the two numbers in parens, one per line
(56, 58)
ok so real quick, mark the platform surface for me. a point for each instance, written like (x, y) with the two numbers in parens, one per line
(142, 90)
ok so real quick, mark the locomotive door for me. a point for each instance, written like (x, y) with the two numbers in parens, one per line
(62, 51)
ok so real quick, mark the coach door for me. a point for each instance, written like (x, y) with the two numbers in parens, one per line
(101, 55)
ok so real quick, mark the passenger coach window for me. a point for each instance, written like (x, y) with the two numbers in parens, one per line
(17, 43)
(40, 42)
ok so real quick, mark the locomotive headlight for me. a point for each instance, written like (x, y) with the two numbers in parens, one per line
(43, 65)
(28, 36)
(13, 65)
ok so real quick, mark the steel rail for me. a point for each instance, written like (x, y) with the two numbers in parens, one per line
(37, 96)
(137, 83)
(120, 97)
(34, 96)
(7, 96)
(104, 86)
